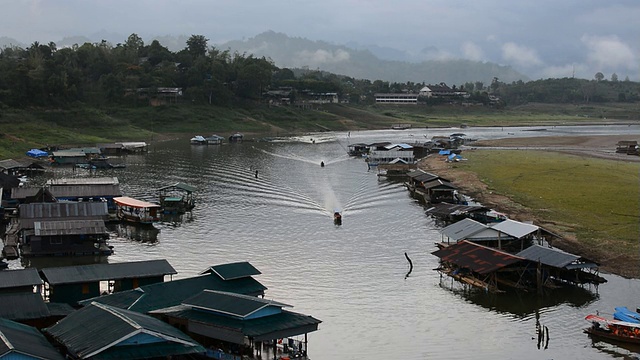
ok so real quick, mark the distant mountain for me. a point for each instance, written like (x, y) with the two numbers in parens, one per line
(293, 52)
(9, 42)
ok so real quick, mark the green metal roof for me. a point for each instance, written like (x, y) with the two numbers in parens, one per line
(172, 293)
(233, 270)
(231, 304)
(100, 329)
(286, 323)
(101, 272)
(179, 186)
(19, 278)
(23, 306)
(24, 340)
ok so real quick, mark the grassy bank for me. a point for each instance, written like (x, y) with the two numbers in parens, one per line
(595, 199)
(21, 130)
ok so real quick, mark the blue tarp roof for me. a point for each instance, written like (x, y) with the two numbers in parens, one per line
(444, 152)
(37, 153)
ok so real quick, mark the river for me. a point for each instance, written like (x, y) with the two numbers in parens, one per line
(352, 277)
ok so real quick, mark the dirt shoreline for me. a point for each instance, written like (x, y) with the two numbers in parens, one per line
(593, 146)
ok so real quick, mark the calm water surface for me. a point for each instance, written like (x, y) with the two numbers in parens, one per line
(352, 277)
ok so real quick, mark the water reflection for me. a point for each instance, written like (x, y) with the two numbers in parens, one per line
(524, 304)
(140, 233)
(617, 349)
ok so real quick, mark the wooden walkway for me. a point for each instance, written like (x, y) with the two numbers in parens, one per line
(11, 241)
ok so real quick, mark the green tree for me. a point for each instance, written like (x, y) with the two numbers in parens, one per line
(197, 45)
(599, 76)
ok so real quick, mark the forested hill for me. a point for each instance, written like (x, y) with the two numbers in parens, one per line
(294, 52)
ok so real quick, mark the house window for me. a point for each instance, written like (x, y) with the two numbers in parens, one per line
(85, 288)
(135, 283)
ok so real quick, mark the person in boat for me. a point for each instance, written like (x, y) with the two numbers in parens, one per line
(321, 163)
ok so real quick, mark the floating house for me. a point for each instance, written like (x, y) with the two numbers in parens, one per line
(447, 214)
(484, 267)
(241, 320)
(391, 153)
(431, 188)
(21, 341)
(358, 149)
(507, 235)
(58, 228)
(236, 138)
(68, 157)
(66, 237)
(100, 331)
(136, 211)
(81, 190)
(71, 284)
(235, 278)
(563, 266)
(198, 140)
(177, 198)
(134, 147)
(20, 281)
(20, 168)
(214, 140)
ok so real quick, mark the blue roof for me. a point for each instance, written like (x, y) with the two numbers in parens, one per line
(22, 341)
(100, 331)
(37, 153)
(444, 152)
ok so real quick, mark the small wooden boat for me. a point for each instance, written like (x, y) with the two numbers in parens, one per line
(337, 218)
(613, 329)
(136, 211)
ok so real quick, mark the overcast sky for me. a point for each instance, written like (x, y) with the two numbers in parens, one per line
(541, 38)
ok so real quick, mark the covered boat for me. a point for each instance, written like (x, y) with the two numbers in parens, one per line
(136, 211)
(613, 329)
(198, 140)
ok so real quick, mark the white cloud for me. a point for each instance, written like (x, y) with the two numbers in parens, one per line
(319, 57)
(520, 55)
(609, 51)
(472, 51)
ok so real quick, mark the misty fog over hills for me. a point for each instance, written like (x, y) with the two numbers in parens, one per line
(357, 61)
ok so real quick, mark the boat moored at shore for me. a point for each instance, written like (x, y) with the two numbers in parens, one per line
(136, 211)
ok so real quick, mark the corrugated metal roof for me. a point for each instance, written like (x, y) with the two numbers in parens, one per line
(25, 341)
(63, 191)
(439, 183)
(98, 328)
(30, 213)
(62, 209)
(70, 227)
(172, 293)
(19, 278)
(60, 309)
(179, 186)
(84, 181)
(477, 258)
(234, 270)
(232, 304)
(23, 306)
(285, 324)
(446, 209)
(548, 256)
(463, 229)
(10, 164)
(515, 228)
(69, 191)
(100, 272)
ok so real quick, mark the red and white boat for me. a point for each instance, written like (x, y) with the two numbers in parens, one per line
(136, 211)
(613, 329)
